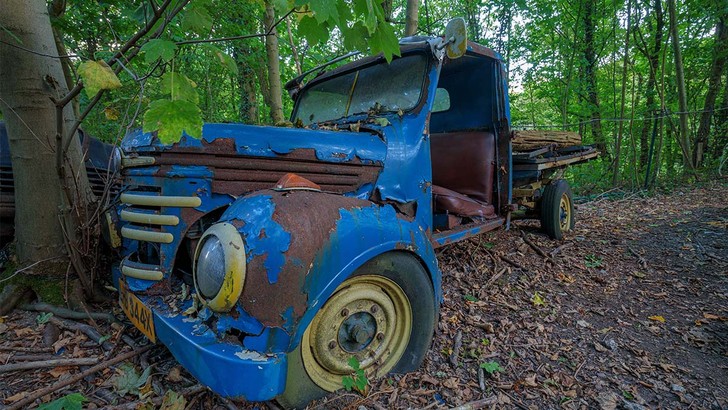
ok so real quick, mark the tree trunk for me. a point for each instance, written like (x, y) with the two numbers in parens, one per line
(28, 81)
(591, 76)
(682, 94)
(653, 59)
(274, 72)
(625, 63)
(411, 17)
(720, 53)
(721, 122)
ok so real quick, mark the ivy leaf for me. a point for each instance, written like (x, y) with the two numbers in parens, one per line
(171, 118)
(491, 367)
(158, 48)
(97, 75)
(224, 59)
(325, 10)
(312, 31)
(354, 363)
(385, 41)
(179, 87)
(72, 401)
(347, 382)
(197, 19)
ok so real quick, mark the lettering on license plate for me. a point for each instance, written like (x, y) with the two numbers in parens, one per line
(139, 314)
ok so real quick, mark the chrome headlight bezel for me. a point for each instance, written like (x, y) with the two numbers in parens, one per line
(116, 159)
(233, 251)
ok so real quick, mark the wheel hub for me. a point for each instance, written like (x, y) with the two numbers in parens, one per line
(357, 331)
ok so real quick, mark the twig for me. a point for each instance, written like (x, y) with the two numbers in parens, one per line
(28, 267)
(68, 313)
(494, 278)
(639, 257)
(26, 349)
(481, 379)
(477, 404)
(33, 357)
(71, 380)
(560, 248)
(456, 348)
(89, 331)
(14, 367)
(536, 247)
(512, 262)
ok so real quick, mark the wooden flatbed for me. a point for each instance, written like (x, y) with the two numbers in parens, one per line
(551, 157)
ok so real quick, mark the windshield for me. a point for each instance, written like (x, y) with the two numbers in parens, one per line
(379, 88)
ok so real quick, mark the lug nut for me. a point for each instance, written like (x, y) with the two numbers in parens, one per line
(380, 336)
(332, 344)
(374, 309)
(344, 312)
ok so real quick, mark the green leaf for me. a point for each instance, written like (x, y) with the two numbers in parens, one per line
(325, 10)
(172, 118)
(491, 367)
(537, 299)
(312, 31)
(197, 19)
(129, 381)
(470, 298)
(360, 383)
(224, 59)
(355, 37)
(385, 41)
(347, 382)
(97, 75)
(179, 87)
(354, 363)
(173, 401)
(43, 318)
(158, 48)
(365, 8)
(72, 401)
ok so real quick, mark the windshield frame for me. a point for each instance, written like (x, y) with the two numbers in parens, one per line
(362, 65)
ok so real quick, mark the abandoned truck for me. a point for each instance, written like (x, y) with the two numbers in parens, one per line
(265, 258)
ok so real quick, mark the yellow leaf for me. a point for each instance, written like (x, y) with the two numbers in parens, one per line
(97, 76)
(111, 113)
(657, 318)
(537, 299)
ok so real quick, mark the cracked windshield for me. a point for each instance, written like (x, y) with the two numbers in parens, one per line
(379, 88)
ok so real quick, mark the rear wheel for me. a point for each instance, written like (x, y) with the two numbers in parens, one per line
(557, 209)
(384, 316)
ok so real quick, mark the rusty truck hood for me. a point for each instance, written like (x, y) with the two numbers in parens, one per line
(263, 141)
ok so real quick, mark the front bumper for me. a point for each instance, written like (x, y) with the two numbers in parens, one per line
(228, 369)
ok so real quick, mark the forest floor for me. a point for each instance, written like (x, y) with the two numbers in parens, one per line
(629, 311)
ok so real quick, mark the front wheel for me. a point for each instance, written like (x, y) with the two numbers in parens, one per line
(384, 316)
(557, 209)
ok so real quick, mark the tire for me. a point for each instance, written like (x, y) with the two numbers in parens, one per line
(557, 209)
(380, 279)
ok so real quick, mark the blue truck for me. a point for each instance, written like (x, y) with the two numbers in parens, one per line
(266, 258)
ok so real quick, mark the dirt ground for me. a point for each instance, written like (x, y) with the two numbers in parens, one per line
(628, 311)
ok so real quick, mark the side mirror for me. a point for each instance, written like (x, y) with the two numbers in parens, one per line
(456, 38)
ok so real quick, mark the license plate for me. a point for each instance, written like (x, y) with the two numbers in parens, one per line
(139, 314)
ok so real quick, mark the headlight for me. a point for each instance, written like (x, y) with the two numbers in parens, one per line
(116, 156)
(219, 270)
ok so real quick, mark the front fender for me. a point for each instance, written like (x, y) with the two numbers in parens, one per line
(301, 245)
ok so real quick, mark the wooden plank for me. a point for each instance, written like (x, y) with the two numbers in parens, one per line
(556, 162)
(523, 140)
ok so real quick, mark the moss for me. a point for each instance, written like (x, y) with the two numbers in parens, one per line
(49, 288)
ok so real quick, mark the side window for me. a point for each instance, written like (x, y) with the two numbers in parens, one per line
(442, 100)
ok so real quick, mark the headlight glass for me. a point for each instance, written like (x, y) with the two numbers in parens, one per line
(210, 272)
(116, 156)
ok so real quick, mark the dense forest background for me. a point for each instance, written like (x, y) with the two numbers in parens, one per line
(605, 68)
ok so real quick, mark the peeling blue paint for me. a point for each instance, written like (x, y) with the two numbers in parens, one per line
(262, 235)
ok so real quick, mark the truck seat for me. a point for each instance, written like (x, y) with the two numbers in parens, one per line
(460, 205)
(464, 162)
